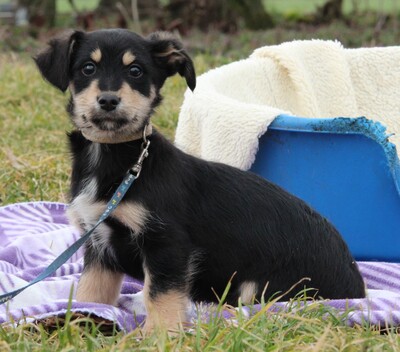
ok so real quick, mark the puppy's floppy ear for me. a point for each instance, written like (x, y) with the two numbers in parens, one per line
(169, 54)
(54, 61)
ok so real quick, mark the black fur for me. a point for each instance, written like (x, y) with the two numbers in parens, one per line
(207, 218)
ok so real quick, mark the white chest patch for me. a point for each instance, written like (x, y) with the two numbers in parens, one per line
(84, 212)
(83, 209)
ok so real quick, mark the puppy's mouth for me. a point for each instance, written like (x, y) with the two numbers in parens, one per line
(105, 123)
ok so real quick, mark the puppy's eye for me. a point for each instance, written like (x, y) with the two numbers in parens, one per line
(88, 69)
(135, 71)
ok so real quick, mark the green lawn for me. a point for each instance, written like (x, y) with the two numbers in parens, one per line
(280, 6)
(63, 6)
(315, 328)
(307, 6)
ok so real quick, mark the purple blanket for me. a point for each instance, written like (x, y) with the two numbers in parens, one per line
(33, 234)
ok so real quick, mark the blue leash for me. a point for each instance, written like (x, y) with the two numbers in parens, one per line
(130, 177)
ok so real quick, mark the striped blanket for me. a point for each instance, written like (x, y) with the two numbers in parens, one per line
(33, 234)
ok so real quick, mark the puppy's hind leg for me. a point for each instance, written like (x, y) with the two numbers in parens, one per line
(99, 284)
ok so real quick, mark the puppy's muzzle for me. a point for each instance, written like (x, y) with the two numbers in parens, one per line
(108, 101)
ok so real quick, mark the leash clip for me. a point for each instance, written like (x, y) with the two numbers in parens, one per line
(137, 168)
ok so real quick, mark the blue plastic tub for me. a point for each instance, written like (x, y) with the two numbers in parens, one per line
(347, 170)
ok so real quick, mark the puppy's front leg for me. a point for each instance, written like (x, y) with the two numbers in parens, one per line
(100, 285)
(166, 306)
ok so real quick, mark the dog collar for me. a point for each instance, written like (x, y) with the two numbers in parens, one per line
(112, 139)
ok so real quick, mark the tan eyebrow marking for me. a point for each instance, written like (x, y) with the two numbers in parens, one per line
(96, 55)
(128, 58)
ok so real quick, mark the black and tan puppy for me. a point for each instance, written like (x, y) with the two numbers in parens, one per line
(187, 225)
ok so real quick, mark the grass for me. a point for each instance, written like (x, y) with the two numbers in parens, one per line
(33, 152)
(63, 6)
(279, 6)
(315, 328)
(308, 6)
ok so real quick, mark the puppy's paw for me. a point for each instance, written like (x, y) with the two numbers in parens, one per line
(150, 327)
(166, 312)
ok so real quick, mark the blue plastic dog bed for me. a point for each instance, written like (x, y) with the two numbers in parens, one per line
(347, 170)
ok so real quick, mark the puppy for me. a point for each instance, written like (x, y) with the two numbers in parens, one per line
(186, 225)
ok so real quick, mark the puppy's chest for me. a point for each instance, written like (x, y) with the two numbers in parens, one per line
(85, 210)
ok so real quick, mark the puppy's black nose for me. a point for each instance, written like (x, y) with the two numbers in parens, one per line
(108, 101)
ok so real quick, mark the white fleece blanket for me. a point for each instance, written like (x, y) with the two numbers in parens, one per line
(233, 105)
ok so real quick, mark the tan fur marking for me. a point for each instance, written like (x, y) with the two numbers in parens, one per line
(128, 58)
(133, 215)
(96, 55)
(86, 100)
(248, 291)
(166, 311)
(99, 285)
(72, 88)
(133, 100)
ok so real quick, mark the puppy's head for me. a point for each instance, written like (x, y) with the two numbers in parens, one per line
(114, 77)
